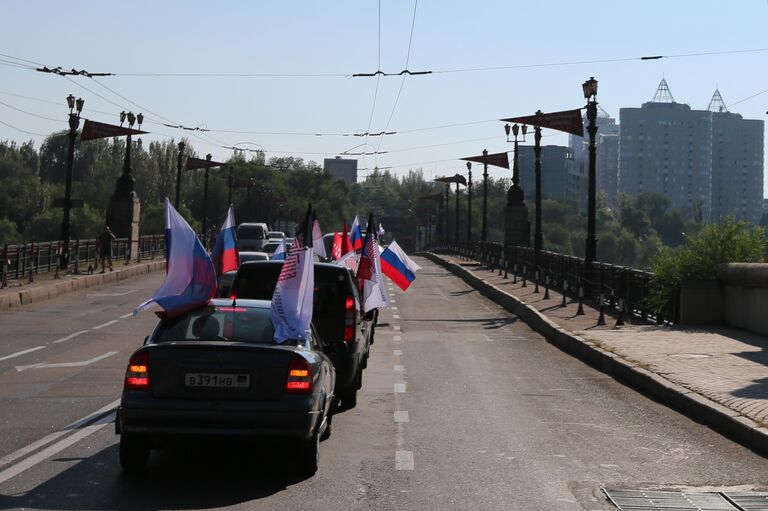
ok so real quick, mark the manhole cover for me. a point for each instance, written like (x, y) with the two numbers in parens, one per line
(641, 500)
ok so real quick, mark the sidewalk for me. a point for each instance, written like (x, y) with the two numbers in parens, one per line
(715, 375)
(45, 286)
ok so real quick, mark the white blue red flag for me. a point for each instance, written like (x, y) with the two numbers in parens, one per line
(291, 308)
(396, 265)
(281, 251)
(356, 235)
(224, 254)
(190, 280)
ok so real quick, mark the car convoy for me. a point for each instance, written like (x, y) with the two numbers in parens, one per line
(216, 371)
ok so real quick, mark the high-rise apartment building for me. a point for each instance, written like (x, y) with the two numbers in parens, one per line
(606, 148)
(709, 163)
(555, 162)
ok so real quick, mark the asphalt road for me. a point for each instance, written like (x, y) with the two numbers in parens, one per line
(462, 407)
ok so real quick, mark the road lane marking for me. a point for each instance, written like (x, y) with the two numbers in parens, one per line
(396, 327)
(403, 460)
(70, 336)
(23, 352)
(393, 300)
(397, 337)
(53, 436)
(399, 368)
(401, 416)
(124, 316)
(395, 316)
(97, 327)
(56, 448)
(399, 388)
(44, 365)
(397, 352)
(394, 308)
(89, 295)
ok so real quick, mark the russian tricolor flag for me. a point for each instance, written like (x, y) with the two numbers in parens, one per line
(224, 254)
(190, 280)
(396, 265)
(356, 235)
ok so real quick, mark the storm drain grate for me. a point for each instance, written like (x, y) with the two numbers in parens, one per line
(641, 500)
(748, 501)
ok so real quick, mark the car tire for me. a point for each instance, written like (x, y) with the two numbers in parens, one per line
(349, 399)
(309, 455)
(134, 453)
(328, 427)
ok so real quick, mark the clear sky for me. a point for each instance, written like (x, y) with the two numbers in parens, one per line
(303, 37)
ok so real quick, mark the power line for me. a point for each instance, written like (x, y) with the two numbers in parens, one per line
(21, 130)
(378, 78)
(30, 113)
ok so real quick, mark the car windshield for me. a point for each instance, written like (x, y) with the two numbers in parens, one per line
(253, 256)
(223, 323)
(271, 247)
(250, 232)
(276, 235)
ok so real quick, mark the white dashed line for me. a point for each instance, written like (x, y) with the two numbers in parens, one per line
(397, 352)
(393, 300)
(399, 368)
(397, 337)
(20, 353)
(396, 328)
(403, 460)
(395, 316)
(401, 416)
(82, 363)
(394, 308)
(97, 327)
(399, 388)
(124, 316)
(70, 336)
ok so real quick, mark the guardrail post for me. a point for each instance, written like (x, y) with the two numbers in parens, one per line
(601, 318)
(546, 286)
(565, 291)
(622, 300)
(580, 310)
(30, 263)
(506, 269)
(525, 271)
(536, 280)
(76, 270)
(4, 267)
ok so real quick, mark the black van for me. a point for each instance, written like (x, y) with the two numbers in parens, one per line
(337, 316)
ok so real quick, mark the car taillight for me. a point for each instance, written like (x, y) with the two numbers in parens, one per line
(349, 319)
(137, 373)
(299, 376)
(232, 296)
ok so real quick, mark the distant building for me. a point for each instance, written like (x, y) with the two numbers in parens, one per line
(341, 168)
(607, 152)
(559, 176)
(708, 162)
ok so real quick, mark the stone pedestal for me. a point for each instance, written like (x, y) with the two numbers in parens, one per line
(123, 218)
(517, 227)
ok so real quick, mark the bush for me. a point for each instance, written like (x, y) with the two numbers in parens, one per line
(728, 242)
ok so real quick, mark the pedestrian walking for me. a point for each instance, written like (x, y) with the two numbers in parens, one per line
(105, 248)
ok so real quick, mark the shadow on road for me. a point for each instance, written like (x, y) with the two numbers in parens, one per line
(183, 477)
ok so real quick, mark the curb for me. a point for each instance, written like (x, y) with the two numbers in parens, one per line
(695, 406)
(44, 292)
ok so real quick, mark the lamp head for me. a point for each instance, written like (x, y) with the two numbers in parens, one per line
(122, 117)
(469, 165)
(506, 130)
(79, 104)
(71, 102)
(525, 129)
(140, 119)
(590, 88)
(131, 119)
(516, 130)
(208, 157)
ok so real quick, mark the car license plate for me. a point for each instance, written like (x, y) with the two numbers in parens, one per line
(225, 380)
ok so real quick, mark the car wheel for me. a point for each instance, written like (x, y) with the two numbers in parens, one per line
(309, 455)
(134, 453)
(328, 427)
(349, 399)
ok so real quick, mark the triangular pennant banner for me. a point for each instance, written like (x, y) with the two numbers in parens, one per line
(569, 121)
(200, 163)
(496, 159)
(93, 130)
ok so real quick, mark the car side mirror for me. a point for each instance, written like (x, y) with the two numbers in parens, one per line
(146, 339)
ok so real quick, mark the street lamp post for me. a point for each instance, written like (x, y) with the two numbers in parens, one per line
(484, 232)
(179, 166)
(537, 236)
(445, 212)
(590, 94)
(469, 202)
(205, 198)
(457, 212)
(75, 107)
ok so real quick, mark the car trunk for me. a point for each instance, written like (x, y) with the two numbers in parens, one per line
(172, 365)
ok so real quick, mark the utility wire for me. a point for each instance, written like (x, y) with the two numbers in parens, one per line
(21, 130)
(402, 81)
(30, 113)
(378, 79)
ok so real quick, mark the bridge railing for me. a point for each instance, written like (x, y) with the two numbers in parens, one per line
(29, 259)
(611, 288)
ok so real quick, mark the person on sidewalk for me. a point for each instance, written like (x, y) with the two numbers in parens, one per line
(105, 248)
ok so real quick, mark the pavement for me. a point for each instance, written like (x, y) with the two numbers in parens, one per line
(46, 286)
(716, 375)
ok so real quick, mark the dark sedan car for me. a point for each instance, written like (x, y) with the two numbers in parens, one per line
(336, 315)
(216, 371)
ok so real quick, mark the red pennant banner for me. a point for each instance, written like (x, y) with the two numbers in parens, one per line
(199, 163)
(569, 121)
(496, 159)
(93, 130)
(458, 178)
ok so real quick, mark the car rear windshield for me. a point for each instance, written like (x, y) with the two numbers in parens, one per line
(250, 232)
(240, 324)
(331, 287)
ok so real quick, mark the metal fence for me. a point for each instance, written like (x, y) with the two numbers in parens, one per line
(29, 259)
(611, 288)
